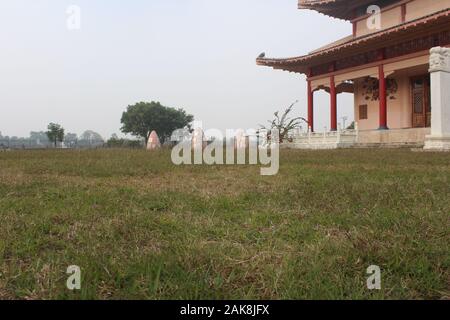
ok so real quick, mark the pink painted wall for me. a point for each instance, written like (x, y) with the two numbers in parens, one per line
(414, 9)
(419, 8)
(399, 110)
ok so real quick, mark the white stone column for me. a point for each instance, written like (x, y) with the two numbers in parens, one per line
(439, 140)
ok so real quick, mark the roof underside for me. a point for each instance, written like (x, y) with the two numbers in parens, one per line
(377, 40)
(342, 9)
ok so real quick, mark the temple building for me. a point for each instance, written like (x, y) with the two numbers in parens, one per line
(385, 63)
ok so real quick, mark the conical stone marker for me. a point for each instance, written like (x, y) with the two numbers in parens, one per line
(153, 141)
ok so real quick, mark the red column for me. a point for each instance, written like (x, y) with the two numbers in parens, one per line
(310, 107)
(403, 12)
(383, 102)
(333, 104)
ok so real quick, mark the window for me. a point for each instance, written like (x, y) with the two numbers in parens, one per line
(363, 112)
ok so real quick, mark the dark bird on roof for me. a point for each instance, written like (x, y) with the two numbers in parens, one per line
(262, 55)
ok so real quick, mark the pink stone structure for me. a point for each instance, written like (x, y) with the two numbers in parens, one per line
(240, 140)
(153, 141)
(198, 139)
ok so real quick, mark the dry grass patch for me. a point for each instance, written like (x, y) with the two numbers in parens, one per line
(142, 228)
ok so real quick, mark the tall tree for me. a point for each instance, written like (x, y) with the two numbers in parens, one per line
(55, 133)
(142, 118)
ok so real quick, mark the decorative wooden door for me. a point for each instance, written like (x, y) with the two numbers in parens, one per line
(421, 101)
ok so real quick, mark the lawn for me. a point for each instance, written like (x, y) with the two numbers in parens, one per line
(142, 228)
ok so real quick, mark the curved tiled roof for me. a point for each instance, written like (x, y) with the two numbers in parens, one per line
(342, 9)
(308, 3)
(301, 63)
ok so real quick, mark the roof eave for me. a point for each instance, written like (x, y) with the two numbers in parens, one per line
(301, 64)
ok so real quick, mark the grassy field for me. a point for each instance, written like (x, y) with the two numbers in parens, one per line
(142, 228)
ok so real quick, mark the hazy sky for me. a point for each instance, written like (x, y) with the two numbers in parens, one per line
(195, 54)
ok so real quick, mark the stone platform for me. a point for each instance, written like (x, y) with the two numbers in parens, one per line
(394, 138)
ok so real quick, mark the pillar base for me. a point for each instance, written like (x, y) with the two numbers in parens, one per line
(437, 143)
(383, 128)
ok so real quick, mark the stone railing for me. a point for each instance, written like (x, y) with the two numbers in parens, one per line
(325, 140)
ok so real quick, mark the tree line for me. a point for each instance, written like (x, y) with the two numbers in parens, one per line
(139, 120)
(54, 137)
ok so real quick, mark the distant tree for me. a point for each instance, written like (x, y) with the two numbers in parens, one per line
(142, 118)
(39, 138)
(284, 123)
(116, 142)
(55, 133)
(39, 135)
(71, 139)
(90, 138)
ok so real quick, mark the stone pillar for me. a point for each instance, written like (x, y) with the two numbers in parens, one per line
(439, 140)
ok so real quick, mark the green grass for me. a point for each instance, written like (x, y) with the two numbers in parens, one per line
(142, 228)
